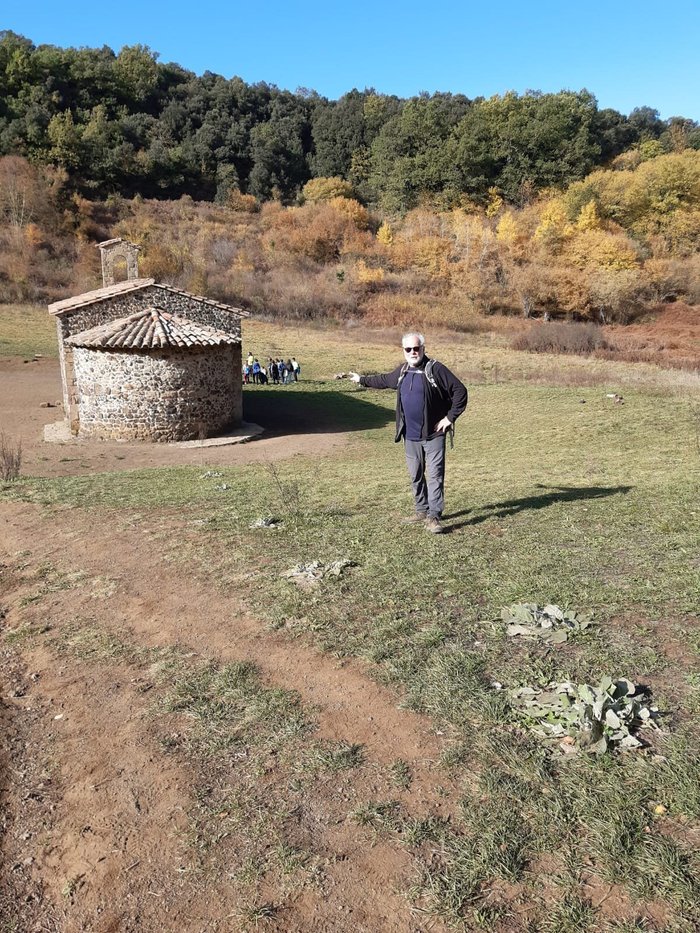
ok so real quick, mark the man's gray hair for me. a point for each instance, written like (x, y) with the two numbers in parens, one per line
(414, 333)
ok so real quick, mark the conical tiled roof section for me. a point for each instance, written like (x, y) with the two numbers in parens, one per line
(150, 329)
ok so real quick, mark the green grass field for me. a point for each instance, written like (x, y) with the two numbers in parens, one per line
(26, 330)
(555, 494)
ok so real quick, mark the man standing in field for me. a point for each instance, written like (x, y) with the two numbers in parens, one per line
(429, 399)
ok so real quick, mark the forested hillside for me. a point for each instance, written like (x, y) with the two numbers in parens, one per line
(435, 210)
(127, 123)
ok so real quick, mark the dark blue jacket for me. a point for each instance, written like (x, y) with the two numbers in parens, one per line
(447, 399)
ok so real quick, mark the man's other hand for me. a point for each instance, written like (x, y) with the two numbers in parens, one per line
(443, 426)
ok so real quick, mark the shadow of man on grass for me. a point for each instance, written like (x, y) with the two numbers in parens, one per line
(551, 495)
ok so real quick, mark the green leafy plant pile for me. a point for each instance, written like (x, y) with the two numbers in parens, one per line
(585, 717)
(551, 624)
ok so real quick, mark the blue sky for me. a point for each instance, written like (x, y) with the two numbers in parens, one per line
(628, 54)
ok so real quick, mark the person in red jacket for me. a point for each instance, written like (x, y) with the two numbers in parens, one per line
(429, 399)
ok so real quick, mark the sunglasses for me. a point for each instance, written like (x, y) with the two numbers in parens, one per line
(412, 349)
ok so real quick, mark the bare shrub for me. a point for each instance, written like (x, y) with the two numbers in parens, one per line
(36, 255)
(670, 278)
(430, 311)
(562, 338)
(304, 293)
(421, 222)
(222, 251)
(10, 458)
(86, 272)
(21, 194)
(243, 203)
(163, 262)
(314, 231)
(667, 358)
(394, 310)
(359, 244)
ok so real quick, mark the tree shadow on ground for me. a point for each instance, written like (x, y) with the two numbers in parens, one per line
(552, 496)
(296, 410)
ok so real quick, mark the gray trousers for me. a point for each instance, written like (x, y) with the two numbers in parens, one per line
(426, 467)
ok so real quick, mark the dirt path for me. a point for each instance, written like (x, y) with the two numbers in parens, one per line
(109, 851)
(26, 388)
(99, 819)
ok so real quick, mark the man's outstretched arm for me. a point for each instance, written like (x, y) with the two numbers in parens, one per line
(380, 381)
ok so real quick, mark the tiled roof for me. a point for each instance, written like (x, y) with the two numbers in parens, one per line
(151, 329)
(99, 294)
(132, 285)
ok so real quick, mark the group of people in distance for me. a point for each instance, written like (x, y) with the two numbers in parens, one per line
(275, 371)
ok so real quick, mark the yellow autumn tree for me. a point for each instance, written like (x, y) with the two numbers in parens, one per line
(368, 275)
(494, 203)
(642, 199)
(507, 230)
(351, 209)
(554, 228)
(613, 294)
(326, 189)
(428, 254)
(650, 149)
(242, 203)
(595, 247)
(660, 187)
(589, 218)
(385, 235)
(678, 233)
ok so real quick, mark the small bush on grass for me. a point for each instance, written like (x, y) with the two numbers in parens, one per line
(10, 458)
(562, 338)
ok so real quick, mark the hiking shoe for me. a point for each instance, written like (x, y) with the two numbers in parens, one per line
(434, 525)
(416, 519)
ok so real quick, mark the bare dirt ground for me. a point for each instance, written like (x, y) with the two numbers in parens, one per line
(97, 814)
(26, 388)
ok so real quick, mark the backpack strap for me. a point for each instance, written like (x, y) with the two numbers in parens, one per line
(429, 374)
(402, 374)
(427, 371)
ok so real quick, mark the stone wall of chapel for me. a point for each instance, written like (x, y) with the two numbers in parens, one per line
(158, 395)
